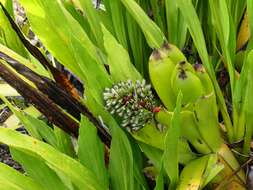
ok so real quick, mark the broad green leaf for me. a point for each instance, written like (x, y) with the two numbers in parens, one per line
(65, 180)
(171, 150)
(116, 11)
(160, 180)
(214, 166)
(94, 20)
(33, 65)
(91, 151)
(185, 153)
(8, 4)
(240, 90)
(191, 18)
(175, 24)
(7, 90)
(121, 158)
(152, 32)
(95, 78)
(237, 9)
(37, 169)
(14, 177)
(73, 7)
(50, 15)
(9, 36)
(8, 186)
(153, 154)
(121, 161)
(155, 138)
(151, 136)
(79, 54)
(222, 23)
(45, 131)
(105, 18)
(192, 174)
(119, 62)
(250, 13)
(31, 110)
(139, 48)
(138, 161)
(208, 124)
(76, 172)
(157, 8)
(99, 111)
(248, 103)
(220, 15)
(23, 119)
(13, 122)
(64, 142)
(195, 29)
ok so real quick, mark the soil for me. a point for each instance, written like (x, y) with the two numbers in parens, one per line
(6, 158)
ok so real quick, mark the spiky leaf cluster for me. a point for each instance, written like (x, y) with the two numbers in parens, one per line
(133, 102)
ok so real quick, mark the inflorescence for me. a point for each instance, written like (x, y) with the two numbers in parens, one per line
(133, 102)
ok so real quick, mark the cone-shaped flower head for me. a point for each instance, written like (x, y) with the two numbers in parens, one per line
(132, 102)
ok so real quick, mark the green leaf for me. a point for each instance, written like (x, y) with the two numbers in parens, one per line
(154, 154)
(237, 9)
(139, 48)
(160, 180)
(192, 174)
(23, 119)
(138, 161)
(50, 15)
(212, 169)
(7, 90)
(250, 13)
(14, 177)
(248, 103)
(45, 131)
(8, 35)
(73, 8)
(223, 25)
(194, 26)
(121, 161)
(153, 137)
(95, 78)
(8, 186)
(152, 32)
(208, 124)
(31, 163)
(8, 4)
(158, 11)
(13, 122)
(120, 66)
(94, 20)
(191, 18)
(117, 11)
(34, 65)
(76, 172)
(171, 150)
(91, 151)
(64, 142)
(79, 54)
(175, 24)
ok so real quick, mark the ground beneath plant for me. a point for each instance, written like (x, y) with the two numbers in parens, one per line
(5, 157)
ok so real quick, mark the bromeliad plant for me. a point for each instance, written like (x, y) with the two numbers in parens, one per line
(149, 108)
